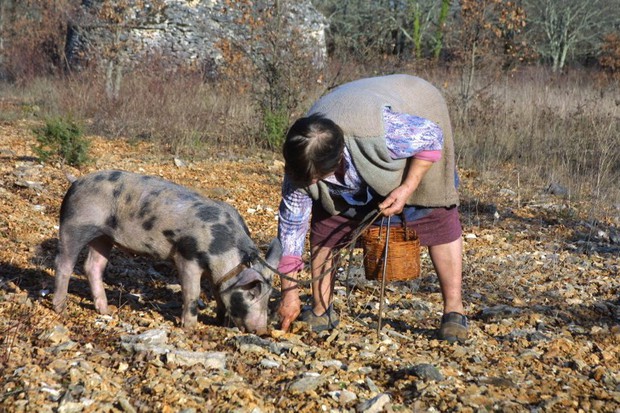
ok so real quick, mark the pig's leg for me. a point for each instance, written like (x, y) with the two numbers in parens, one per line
(70, 243)
(65, 262)
(220, 311)
(189, 273)
(98, 253)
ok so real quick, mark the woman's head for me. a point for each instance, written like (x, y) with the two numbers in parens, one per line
(312, 149)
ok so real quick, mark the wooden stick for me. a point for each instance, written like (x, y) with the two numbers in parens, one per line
(385, 260)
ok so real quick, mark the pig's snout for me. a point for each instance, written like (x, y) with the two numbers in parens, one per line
(259, 332)
(256, 320)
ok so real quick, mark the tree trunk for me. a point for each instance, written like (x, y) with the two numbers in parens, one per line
(443, 15)
(417, 32)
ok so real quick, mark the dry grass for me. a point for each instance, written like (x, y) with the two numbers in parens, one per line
(562, 130)
(545, 128)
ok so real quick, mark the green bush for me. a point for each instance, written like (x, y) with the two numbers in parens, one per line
(276, 125)
(62, 138)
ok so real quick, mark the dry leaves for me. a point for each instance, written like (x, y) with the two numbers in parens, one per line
(540, 285)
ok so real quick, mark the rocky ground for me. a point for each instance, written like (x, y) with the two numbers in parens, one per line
(541, 288)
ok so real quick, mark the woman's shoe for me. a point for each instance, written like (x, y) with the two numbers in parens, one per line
(328, 321)
(454, 327)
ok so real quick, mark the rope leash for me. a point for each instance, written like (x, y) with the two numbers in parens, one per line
(349, 246)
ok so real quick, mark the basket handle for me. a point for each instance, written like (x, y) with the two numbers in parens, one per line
(403, 221)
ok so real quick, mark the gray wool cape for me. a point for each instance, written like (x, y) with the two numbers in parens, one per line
(357, 108)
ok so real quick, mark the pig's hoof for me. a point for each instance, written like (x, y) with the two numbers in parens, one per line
(59, 305)
(102, 309)
(189, 324)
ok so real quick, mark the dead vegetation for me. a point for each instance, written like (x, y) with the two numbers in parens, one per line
(541, 288)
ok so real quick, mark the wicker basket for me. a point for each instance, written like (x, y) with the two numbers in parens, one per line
(403, 261)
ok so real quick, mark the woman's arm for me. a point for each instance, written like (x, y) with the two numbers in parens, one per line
(396, 200)
(293, 221)
(417, 139)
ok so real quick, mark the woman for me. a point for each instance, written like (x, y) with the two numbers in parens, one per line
(377, 143)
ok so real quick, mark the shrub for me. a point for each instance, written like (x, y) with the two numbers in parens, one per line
(62, 138)
(275, 124)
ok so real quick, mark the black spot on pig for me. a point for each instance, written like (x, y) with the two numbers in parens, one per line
(148, 224)
(128, 198)
(99, 178)
(112, 221)
(187, 247)
(145, 208)
(118, 191)
(156, 193)
(169, 234)
(223, 239)
(207, 213)
(187, 196)
(238, 306)
(114, 176)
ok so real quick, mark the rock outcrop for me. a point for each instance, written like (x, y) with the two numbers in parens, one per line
(190, 33)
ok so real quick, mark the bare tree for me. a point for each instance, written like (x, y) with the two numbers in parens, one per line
(115, 20)
(564, 27)
(367, 29)
(32, 37)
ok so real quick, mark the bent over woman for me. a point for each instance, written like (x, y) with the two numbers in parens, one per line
(382, 143)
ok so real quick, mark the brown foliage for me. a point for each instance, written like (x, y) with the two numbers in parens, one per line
(610, 53)
(34, 35)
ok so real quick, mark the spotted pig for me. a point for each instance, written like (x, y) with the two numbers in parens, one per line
(148, 215)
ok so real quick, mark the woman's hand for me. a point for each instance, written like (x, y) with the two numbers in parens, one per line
(289, 308)
(396, 200)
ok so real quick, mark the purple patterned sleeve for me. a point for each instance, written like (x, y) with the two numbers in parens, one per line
(293, 219)
(406, 135)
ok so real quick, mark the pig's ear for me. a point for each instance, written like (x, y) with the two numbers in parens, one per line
(274, 254)
(248, 277)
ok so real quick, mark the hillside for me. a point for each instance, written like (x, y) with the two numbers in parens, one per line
(541, 288)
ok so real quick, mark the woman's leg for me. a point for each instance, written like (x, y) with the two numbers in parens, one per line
(328, 234)
(448, 262)
(322, 273)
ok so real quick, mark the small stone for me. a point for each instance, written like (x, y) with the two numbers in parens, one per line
(71, 407)
(343, 396)
(212, 360)
(374, 405)
(126, 406)
(56, 335)
(269, 364)
(306, 384)
(147, 340)
(64, 346)
(333, 363)
(371, 385)
(500, 310)
(427, 372)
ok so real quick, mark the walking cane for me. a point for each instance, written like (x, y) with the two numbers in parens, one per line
(385, 260)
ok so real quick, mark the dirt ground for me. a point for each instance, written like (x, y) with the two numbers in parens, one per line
(541, 289)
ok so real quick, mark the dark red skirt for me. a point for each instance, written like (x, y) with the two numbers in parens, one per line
(440, 226)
